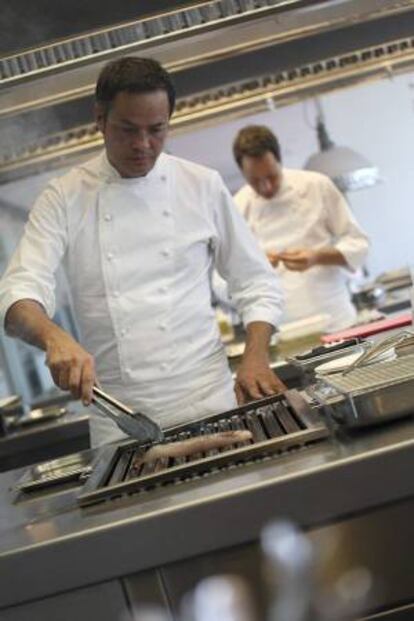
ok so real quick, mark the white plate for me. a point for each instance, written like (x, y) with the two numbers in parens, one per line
(341, 364)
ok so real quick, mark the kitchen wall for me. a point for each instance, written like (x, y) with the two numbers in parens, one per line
(376, 119)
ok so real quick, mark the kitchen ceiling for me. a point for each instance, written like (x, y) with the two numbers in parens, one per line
(228, 58)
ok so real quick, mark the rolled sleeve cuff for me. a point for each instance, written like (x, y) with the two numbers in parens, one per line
(262, 314)
(354, 258)
(10, 298)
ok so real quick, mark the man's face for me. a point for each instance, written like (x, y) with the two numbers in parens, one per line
(134, 129)
(263, 173)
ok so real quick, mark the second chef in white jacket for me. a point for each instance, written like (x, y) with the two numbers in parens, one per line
(304, 225)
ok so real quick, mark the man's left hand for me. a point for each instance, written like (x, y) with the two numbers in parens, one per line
(255, 380)
(299, 260)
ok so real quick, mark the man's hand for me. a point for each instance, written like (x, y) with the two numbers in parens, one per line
(274, 258)
(255, 380)
(71, 366)
(299, 260)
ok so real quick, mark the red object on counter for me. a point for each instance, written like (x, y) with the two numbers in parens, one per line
(370, 328)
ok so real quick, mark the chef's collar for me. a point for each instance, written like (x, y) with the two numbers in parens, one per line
(157, 173)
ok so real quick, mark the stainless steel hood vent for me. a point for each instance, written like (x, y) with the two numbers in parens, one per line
(220, 29)
(233, 100)
(105, 43)
(295, 84)
(228, 58)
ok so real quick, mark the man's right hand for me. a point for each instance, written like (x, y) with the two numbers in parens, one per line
(71, 366)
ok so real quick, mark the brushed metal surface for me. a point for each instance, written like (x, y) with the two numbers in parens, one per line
(326, 482)
(103, 602)
(369, 395)
(381, 541)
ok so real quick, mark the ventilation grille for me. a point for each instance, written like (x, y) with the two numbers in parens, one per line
(238, 98)
(102, 43)
(373, 57)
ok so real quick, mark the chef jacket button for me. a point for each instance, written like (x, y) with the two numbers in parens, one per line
(124, 331)
(110, 256)
(163, 178)
(108, 217)
(162, 326)
(166, 213)
(165, 252)
(116, 294)
(164, 366)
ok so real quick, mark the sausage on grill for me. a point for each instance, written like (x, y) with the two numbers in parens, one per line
(199, 444)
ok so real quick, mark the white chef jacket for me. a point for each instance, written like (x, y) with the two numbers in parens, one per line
(308, 212)
(138, 254)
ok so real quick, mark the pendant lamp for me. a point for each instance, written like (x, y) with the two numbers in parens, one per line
(347, 168)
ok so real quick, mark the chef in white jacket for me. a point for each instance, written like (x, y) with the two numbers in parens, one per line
(139, 232)
(304, 225)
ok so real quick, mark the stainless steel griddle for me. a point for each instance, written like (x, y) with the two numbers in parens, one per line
(277, 423)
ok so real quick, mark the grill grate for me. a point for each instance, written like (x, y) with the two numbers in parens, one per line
(373, 377)
(276, 423)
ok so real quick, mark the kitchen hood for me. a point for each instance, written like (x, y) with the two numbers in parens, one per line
(228, 58)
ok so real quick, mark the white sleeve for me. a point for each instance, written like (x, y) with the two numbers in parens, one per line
(31, 271)
(349, 238)
(242, 201)
(253, 285)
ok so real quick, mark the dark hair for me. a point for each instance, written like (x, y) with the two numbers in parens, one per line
(134, 75)
(255, 141)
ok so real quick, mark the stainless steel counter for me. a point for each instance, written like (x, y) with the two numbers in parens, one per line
(44, 440)
(49, 545)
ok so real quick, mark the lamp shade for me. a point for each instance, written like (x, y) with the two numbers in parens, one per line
(348, 169)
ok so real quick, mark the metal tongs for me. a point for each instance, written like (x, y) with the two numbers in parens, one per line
(132, 423)
(380, 348)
